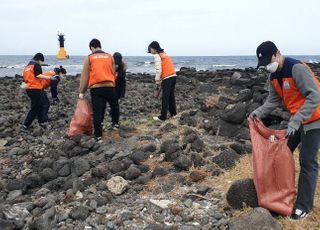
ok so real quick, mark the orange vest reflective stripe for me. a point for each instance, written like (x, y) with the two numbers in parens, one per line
(291, 96)
(30, 79)
(46, 83)
(166, 65)
(101, 68)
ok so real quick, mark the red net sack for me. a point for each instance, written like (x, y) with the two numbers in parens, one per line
(273, 168)
(81, 122)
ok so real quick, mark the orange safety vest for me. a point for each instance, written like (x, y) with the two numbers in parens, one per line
(166, 65)
(47, 82)
(291, 96)
(30, 79)
(101, 68)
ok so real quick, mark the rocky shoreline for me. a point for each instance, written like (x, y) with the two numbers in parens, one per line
(146, 176)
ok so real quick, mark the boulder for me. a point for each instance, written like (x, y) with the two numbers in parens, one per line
(242, 192)
(16, 184)
(183, 162)
(238, 79)
(171, 149)
(241, 148)
(159, 171)
(244, 95)
(79, 213)
(48, 174)
(100, 171)
(236, 115)
(258, 218)
(132, 173)
(46, 221)
(226, 159)
(117, 185)
(34, 180)
(80, 166)
(116, 166)
(225, 129)
(139, 156)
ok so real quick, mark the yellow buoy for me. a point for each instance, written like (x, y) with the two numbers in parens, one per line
(62, 54)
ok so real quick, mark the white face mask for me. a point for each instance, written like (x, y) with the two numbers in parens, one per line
(272, 67)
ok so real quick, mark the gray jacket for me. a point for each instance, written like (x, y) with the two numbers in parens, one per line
(305, 82)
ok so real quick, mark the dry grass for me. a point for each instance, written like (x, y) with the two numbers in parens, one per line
(111, 135)
(244, 170)
(153, 162)
(212, 101)
(313, 220)
(149, 186)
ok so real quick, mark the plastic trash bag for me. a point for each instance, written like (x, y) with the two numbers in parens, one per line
(81, 122)
(273, 168)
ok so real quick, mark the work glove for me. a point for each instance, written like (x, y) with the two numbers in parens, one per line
(81, 96)
(54, 78)
(254, 114)
(158, 82)
(291, 131)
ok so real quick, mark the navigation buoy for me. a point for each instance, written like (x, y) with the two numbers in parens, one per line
(62, 54)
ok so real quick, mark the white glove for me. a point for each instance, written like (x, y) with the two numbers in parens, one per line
(81, 96)
(254, 114)
(158, 82)
(291, 131)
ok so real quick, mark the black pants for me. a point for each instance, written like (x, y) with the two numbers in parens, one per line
(36, 107)
(310, 144)
(168, 98)
(121, 88)
(45, 105)
(99, 99)
(54, 87)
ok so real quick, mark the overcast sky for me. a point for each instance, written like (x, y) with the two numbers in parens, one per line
(183, 27)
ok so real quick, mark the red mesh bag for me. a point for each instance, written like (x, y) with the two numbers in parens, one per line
(273, 168)
(81, 122)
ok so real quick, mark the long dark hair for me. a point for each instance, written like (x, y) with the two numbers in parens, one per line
(118, 59)
(155, 45)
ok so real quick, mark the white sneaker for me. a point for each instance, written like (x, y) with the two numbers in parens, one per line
(99, 140)
(157, 119)
(116, 127)
(298, 214)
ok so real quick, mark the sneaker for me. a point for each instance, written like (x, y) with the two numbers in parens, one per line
(25, 129)
(157, 119)
(298, 214)
(99, 139)
(115, 127)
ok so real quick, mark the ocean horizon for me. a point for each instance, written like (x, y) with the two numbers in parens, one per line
(10, 65)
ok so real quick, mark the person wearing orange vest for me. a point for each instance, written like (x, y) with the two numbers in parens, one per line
(293, 84)
(55, 75)
(98, 74)
(166, 76)
(33, 79)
